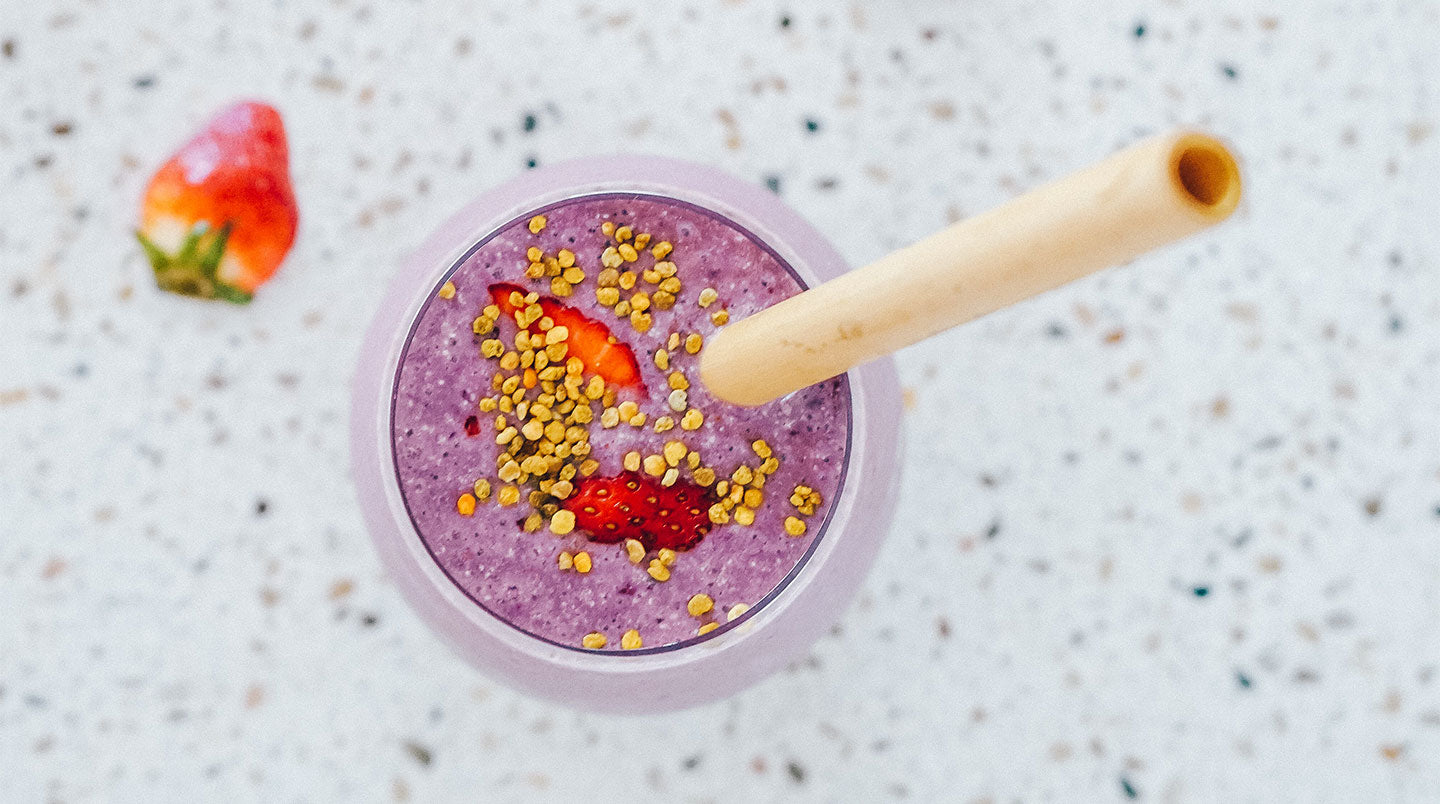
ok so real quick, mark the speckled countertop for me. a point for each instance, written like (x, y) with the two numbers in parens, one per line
(1171, 533)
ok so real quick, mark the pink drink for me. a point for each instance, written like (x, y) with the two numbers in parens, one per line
(500, 575)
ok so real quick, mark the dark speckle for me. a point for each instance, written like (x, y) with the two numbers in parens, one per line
(812, 125)
(1242, 679)
(1229, 71)
(1056, 330)
(261, 506)
(8, 48)
(691, 762)
(62, 128)
(144, 82)
(1128, 789)
(993, 530)
(1372, 506)
(785, 22)
(1268, 443)
(1396, 323)
(529, 123)
(1140, 31)
(1201, 591)
(369, 620)
(796, 771)
(773, 182)
(531, 163)
(419, 753)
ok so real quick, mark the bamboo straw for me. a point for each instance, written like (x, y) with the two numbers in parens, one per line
(1150, 194)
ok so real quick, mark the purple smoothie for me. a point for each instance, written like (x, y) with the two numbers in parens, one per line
(513, 573)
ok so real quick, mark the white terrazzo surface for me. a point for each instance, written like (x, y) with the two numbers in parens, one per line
(189, 609)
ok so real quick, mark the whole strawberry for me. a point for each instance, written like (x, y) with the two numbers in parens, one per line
(219, 217)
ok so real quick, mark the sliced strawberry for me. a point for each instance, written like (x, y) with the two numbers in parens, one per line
(613, 509)
(219, 217)
(634, 506)
(682, 518)
(589, 340)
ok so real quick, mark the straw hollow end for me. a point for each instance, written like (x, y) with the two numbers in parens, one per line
(1206, 174)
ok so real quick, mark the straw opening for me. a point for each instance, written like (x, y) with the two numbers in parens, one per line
(1207, 174)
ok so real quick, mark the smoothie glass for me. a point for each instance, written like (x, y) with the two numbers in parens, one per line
(778, 627)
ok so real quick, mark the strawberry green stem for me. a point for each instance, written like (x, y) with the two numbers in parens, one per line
(193, 270)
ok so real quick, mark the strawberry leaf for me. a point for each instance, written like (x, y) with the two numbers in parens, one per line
(194, 269)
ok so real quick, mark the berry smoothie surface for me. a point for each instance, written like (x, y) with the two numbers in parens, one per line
(558, 454)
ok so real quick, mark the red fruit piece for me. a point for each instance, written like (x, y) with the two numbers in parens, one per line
(683, 517)
(635, 506)
(589, 340)
(612, 509)
(219, 217)
(472, 426)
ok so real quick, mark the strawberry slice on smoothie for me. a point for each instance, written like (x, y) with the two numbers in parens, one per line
(633, 506)
(589, 340)
(219, 216)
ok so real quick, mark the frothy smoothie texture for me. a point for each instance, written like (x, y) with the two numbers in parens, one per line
(558, 455)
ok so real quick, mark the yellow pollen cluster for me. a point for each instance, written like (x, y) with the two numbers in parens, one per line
(562, 522)
(699, 604)
(634, 550)
(742, 494)
(616, 283)
(805, 500)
